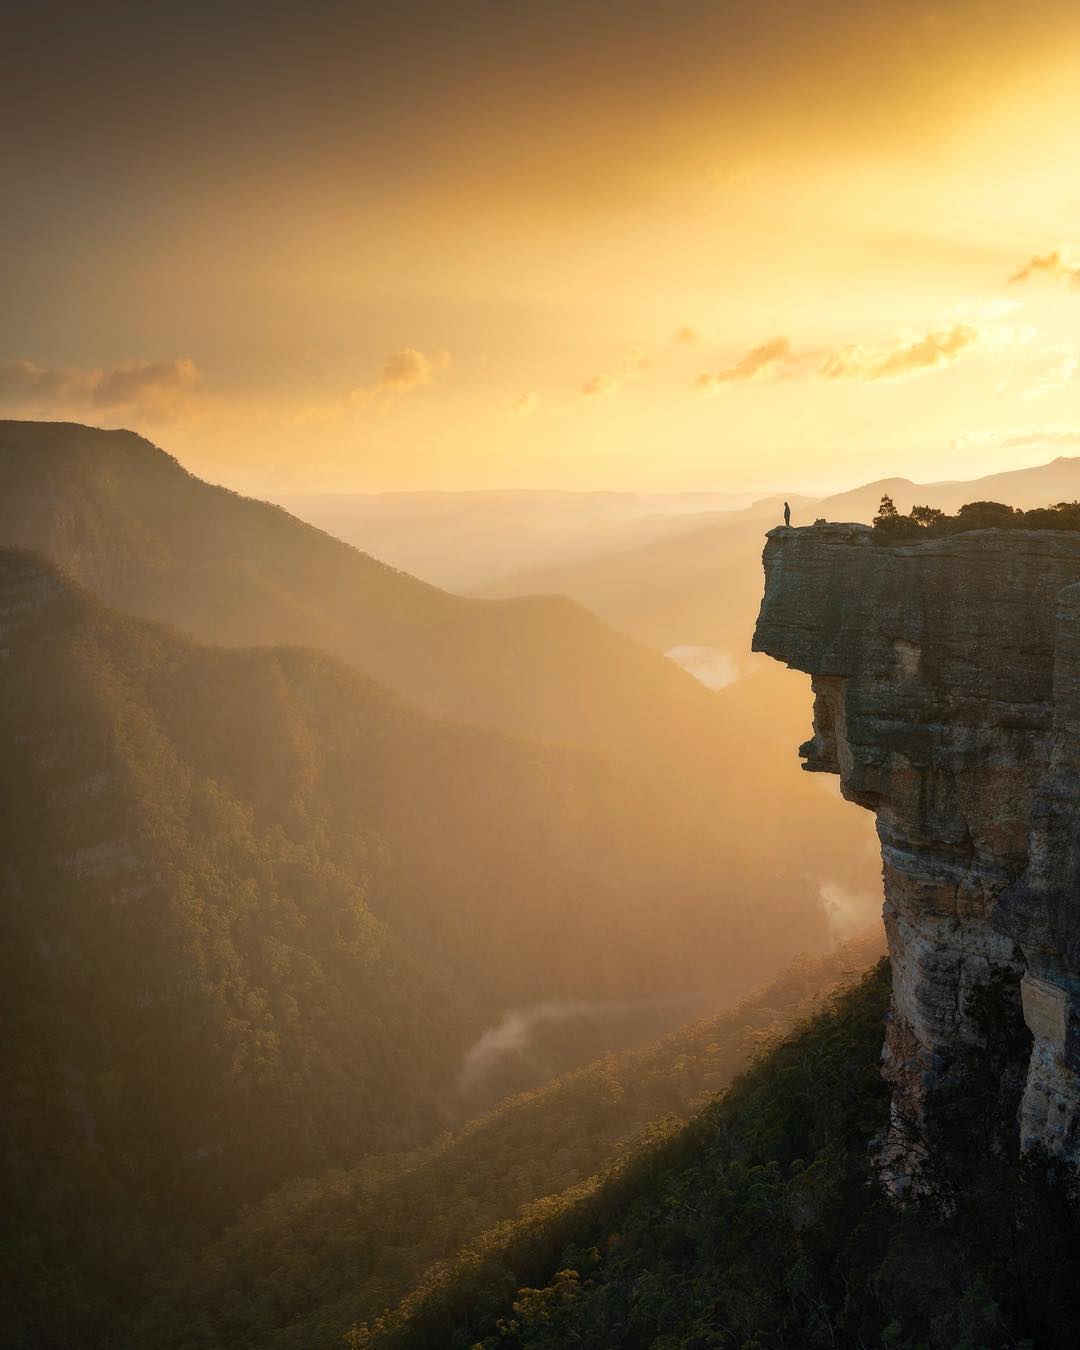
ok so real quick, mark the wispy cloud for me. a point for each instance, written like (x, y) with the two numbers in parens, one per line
(903, 357)
(609, 382)
(759, 362)
(525, 404)
(153, 388)
(686, 336)
(1057, 265)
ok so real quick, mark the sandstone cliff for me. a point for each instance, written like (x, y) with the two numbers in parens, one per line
(946, 677)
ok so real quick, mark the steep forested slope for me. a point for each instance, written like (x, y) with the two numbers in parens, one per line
(255, 910)
(761, 1224)
(687, 1240)
(318, 1255)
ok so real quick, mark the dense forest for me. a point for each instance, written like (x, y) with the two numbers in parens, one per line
(760, 1223)
(325, 1252)
(258, 910)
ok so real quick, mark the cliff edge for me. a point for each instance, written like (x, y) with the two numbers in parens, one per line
(946, 680)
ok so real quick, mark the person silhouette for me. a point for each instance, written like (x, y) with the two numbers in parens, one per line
(787, 514)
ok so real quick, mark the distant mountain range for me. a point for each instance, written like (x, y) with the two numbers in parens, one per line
(702, 586)
(462, 540)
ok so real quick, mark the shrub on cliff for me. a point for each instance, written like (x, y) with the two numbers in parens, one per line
(923, 522)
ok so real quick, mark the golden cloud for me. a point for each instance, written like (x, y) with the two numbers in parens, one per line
(151, 387)
(687, 336)
(1056, 264)
(903, 357)
(401, 372)
(409, 368)
(610, 381)
(525, 404)
(758, 363)
(143, 382)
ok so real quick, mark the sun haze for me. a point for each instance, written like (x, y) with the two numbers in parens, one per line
(704, 245)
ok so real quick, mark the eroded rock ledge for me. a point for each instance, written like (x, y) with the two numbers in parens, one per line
(946, 677)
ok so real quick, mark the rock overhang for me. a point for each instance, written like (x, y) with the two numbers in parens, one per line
(946, 679)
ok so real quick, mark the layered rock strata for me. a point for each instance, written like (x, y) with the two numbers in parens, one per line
(946, 679)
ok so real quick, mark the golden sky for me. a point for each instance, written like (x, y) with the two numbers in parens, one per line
(735, 246)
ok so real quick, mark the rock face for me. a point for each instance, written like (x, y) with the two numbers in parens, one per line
(946, 677)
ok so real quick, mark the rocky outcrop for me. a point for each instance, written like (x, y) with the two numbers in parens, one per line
(946, 678)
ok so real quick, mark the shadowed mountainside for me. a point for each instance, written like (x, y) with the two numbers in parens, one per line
(127, 521)
(131, 524)
(262, 850)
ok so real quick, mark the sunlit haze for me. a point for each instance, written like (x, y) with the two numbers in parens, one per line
(779, 247)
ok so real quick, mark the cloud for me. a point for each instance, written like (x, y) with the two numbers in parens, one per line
(610, 381)
(525, 404)
(409, 369)
(903, 357)
(687, 336)
(148, 387)
(1060, 433)
(402, 372)
(145, 382)
(1056, 264)
(758, 363)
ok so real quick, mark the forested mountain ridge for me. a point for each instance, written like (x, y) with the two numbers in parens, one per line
(762, 1222)
(126, 520)
(300, 1267)
(256, 909)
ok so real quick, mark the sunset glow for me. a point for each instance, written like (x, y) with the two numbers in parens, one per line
(705, 246)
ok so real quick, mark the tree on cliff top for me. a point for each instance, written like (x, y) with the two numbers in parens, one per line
(889, 524)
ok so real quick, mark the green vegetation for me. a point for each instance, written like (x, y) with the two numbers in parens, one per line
(256, 910)
(320, 1254)
(927, 522)
(759, 1224)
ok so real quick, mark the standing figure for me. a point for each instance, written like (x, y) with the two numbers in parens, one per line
(787, 514)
